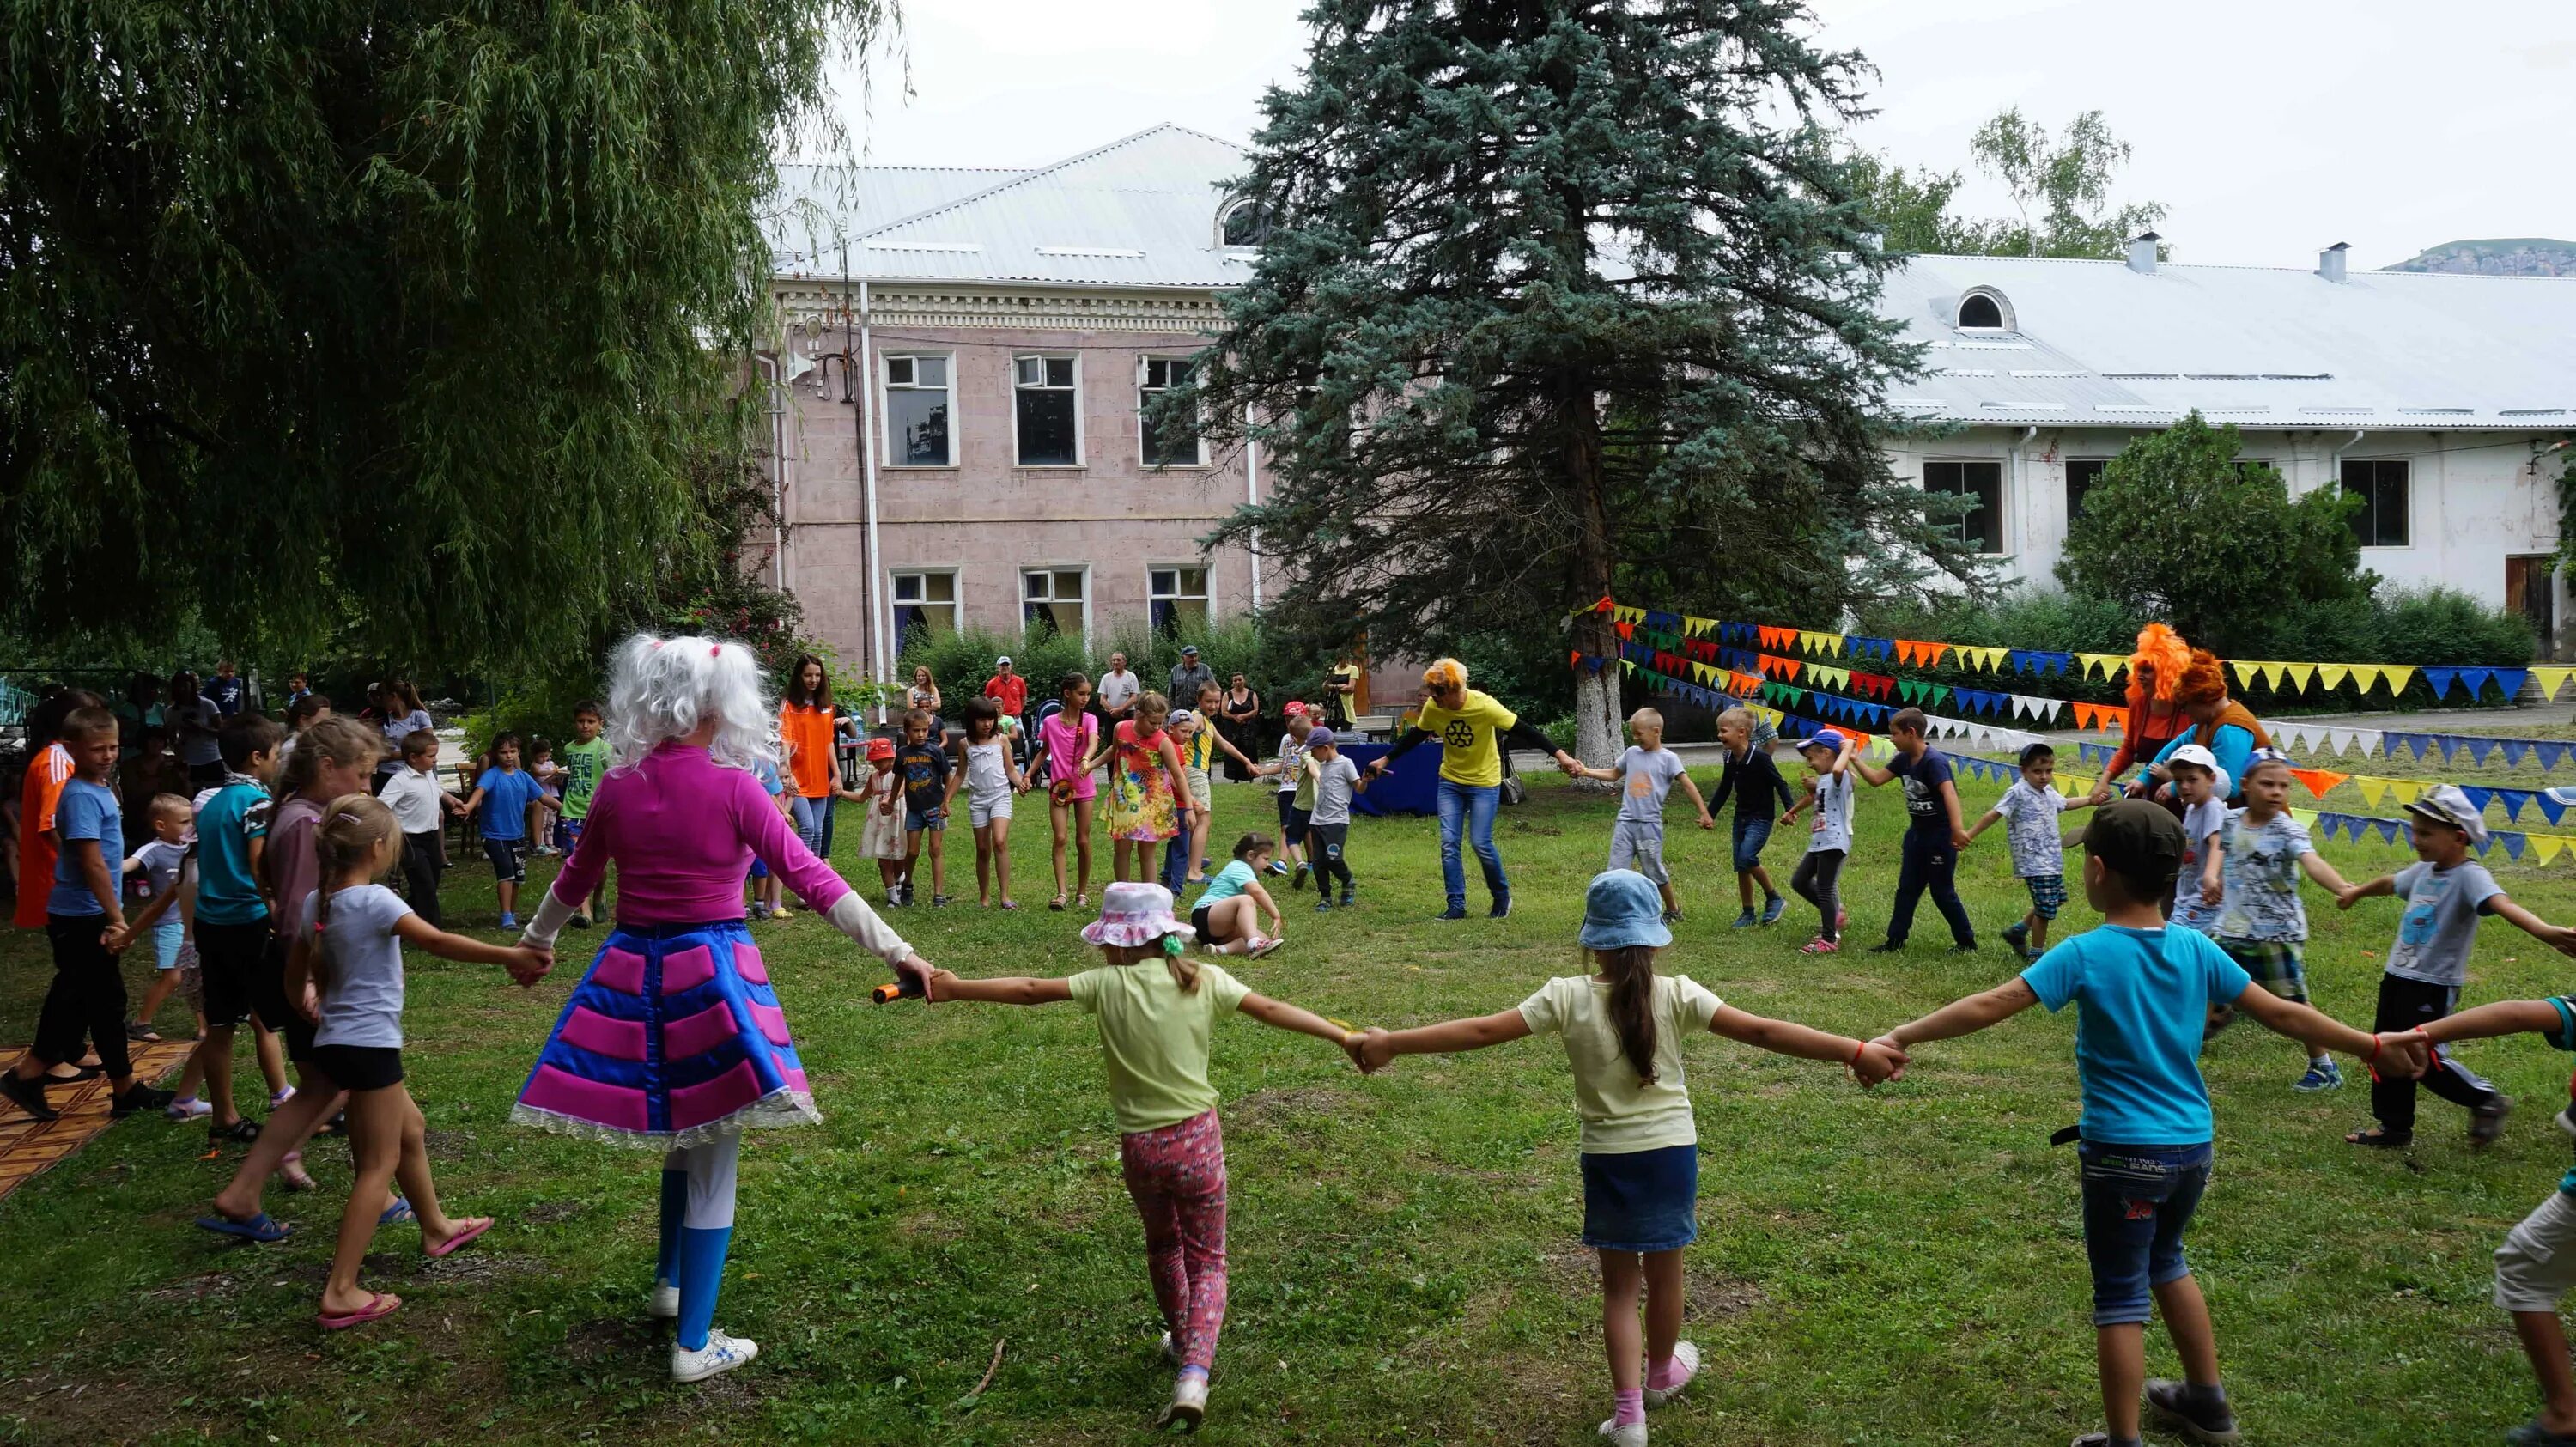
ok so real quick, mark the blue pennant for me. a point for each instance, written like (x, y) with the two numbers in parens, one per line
(2388, 830)
(2513, 800)
(2478, 797)
(2550, 808)
(2511, 841)
(2417, 742)
(2511, 681)
(2440, 679)
(2476, 679)
(2476, 746)
(2058, 663)
(2549, 753)
(2514, 749)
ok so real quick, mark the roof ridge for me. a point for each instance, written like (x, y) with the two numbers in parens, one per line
(2293, 270)
(1034, 173)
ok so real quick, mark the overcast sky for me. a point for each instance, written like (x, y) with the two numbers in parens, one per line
(2268, 129)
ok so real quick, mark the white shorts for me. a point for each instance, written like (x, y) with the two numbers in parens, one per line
(2537, 1262)
(980, 813)
(1639, 846)
(1201, 793)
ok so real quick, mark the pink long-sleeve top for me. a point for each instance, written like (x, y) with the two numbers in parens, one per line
(683, 831)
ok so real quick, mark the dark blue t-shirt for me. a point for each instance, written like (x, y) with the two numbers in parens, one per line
(1923, 777)
(226, 693)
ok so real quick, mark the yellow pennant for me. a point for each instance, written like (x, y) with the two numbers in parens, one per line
(1698, 627)
(1703, 672)
(2271, 675)
(2546, 846)
(2397, 678)
(2373, 788)
(2300, 673)
(2074, 786)
(2549, 680)
(2244, 672)
(2306, 817)
(2330, 674)
(2406, 791)
(1629, 615)
(2363, 676)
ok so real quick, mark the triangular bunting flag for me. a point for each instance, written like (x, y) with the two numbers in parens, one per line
(2244, 673)
(2546, 846)
(2406, 791)
(2271, 675)
(2373, 789)
(2330, 674)
(2397, 677)
(2300, 673)
(2550, 679)
(2511, 681)
(2364, 676)
(2549, 754)
(2320, 782)
(2439, 679)
(2476, 679)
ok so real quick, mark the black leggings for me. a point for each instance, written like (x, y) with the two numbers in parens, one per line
(2405, 1005)
(1817, 881)
(1324, 851)
(86, 998)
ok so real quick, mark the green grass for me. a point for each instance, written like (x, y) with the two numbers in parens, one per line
(1902, 1266)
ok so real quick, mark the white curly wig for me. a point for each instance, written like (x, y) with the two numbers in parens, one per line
(661, 689)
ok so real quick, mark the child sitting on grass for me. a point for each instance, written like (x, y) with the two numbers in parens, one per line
(1623, 1028)
(2261, 923)
(1753, 779)
(2145, 1129)
(344, 975)
(1818, 879)
(2032, 805)
(1651, 770)
(1227, 917)
(2445, 894)
(1157, 1010)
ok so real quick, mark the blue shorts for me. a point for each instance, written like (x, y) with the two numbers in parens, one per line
(2047, 894)
(1750, 836)
(915, 823)
(2137, 1201)
(167, 935)
(1641, 1200)
(759, 870)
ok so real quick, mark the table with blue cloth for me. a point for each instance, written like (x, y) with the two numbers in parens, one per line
(1411, 784)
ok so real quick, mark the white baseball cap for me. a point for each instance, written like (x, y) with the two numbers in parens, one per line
(1002, 662)
(2445, 804)
(2193, 754)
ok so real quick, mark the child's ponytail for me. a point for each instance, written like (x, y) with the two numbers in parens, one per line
(1176, 958)
(1631, 971)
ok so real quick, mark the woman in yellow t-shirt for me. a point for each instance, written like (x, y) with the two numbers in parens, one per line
(1157, 1009)
(1622, 1029)
(1472, 729)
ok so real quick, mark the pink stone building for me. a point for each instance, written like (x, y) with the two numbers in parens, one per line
(965, 355)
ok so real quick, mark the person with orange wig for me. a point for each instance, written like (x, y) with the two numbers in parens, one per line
(2154, 720)
(2218, 722)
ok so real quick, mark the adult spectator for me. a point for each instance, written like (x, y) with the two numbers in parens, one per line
(924, 695)
(141, 710)
(1007, 688)
(1115, 697)
(400, 715)
(1342, 687)
(1239, 720)
(1472, 729)
(807, 726)
(195, 724)
(1188, 677)
(225, 689)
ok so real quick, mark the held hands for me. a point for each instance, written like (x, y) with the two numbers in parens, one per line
(2561, 938)
(116, 937)
(2406, 1053)
(529, 963)
(1960, 839)
(2348, 896)
(1373, 1050)
(936, 984)
(1879, 1061)
(2210, 892)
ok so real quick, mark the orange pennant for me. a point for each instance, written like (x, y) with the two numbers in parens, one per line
(1932, 652)
(2320, 782)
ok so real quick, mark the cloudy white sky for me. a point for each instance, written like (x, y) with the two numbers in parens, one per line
(2268, 128)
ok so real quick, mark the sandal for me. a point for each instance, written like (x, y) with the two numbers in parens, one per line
(1008, 904)
(1057, 903)
(141, 1033)
(292, 1175)
(1082, 900)
(258, 1228)
(2382, 1138)
(396, 1214)
(379, 1305)
(1819, 946)
(466, 1231)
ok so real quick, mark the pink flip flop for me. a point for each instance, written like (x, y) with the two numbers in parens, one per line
(456, 1242)
(379, 1306)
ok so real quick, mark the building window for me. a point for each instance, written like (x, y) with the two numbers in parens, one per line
(1173, 443)
(1046, 412)
(1245, 223)
(2081, 474)
(924, 604)
(1052, 598)
(2381, 486)
(1981, 527)
(1178, 600)
(1980, 311)
(916, 412)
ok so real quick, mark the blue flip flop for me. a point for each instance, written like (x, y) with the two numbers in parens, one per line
(258, 1228)
(395, 1214)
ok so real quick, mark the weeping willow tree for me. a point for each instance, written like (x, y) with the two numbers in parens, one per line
(1561, 297)
(414, 324)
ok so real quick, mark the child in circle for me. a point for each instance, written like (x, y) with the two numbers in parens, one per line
(1646, 773)
(1157, 1009)
(1818, 878)
(1149, 797)
(1754, 780)
(1065, 741)
(880, 800)
(1334, 780)
(1227, 917)
(1622, 1027)
(2032, 806)
(922, 763)
(991, 779)
(2261, 923)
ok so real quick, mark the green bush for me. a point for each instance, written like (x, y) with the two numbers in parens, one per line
(962, 661)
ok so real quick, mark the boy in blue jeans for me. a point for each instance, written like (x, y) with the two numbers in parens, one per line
(2145, 1129)
(1753, 779)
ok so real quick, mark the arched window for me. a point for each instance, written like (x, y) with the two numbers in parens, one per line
(1979, 309)
(1244, 222)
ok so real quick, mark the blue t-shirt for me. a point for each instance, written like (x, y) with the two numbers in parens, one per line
(2146, 995)
(768, 773)
(226, 693)
(228, 819)
(86, 811)
(1226, 883)
(507, 793)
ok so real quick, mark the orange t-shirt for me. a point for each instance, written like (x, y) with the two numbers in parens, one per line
(808, 731)
(36, 850)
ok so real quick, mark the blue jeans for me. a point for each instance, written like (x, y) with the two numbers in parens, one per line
(813, 823)
(1929, 861)
(1469, 809)
(2137, 1201)
(1750, 835)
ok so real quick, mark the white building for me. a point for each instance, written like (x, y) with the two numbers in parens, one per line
(2443, 399)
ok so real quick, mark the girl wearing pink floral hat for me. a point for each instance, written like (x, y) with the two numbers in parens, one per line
(1157, 1009)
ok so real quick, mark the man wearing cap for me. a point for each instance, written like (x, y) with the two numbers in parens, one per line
(2445, 893)
(1188, 677)
(1472, 729)
(1008, 689)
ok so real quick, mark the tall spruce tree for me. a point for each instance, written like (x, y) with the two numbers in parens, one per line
(412, 324)
(1558, 293)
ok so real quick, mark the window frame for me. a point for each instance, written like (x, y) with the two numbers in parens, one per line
(2074, 500)
(885, 410)
(1050, 570)
(1226, 213)
(2006, 324)
(955, 604)
(2405, 512)
(1993, 547)
(1198, 431)
(1205, 597)
(1081, 440)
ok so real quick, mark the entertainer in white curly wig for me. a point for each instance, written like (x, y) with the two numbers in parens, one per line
(674, 1040)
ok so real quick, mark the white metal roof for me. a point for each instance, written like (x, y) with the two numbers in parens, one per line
(1140, 212)
(2101, 345)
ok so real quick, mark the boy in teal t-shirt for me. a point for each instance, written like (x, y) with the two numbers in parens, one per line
(2145, 1131)
(585, 762)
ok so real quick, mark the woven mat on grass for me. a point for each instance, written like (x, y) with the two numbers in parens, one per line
(29, 1147)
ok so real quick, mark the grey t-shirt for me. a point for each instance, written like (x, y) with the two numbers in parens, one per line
(2260, 864)
(2030, 826)
(1118, 688)
(2441, 921)
(362, 993)
(1333, 783)
(1648, 775)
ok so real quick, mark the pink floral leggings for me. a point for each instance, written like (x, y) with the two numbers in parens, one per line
(1177, 1176)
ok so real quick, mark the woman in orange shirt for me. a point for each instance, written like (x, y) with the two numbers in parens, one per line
(806, 724)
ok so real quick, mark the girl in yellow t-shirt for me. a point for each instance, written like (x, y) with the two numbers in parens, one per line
(1622, 1029)
(1156, 1008)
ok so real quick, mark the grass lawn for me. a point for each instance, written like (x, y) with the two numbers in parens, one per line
(1902, 1266)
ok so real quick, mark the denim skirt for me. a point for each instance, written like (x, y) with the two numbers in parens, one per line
(1641, 1200)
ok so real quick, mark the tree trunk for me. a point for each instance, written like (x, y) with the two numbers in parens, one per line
(1596, 695)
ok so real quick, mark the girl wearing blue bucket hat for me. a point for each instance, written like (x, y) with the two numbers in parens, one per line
(1623, 1029)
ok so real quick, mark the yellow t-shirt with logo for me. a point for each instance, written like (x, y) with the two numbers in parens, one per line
(1470, 739)
(1155, 1037)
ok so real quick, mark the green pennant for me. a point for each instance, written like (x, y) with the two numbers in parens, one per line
(1941, 696)
(1908, 689)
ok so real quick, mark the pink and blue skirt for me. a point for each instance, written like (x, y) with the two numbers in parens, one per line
(673, 1039)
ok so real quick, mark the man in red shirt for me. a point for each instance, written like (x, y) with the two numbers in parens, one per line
(1011, 691)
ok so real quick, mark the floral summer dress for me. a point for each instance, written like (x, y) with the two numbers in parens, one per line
(1139, 806)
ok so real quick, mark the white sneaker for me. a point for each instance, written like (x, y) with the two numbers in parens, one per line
(1189, 1403)
(1171, 1350)
(1262, 945)
(1686, 1354)
(666, 1301)
(1632, 1435)
(721, 1354)
(187, 1109)
(280, 1097)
